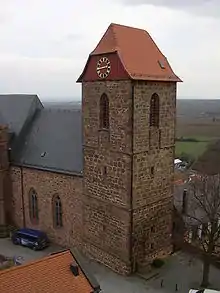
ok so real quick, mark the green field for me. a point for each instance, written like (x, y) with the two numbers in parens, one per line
(198, 119)
(194, 149)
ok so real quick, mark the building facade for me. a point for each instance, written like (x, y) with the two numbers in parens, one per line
(105, 185)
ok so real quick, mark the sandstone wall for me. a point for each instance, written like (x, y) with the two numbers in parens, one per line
(107, 174)
(48, 184)
(128, 174)
(153, 171)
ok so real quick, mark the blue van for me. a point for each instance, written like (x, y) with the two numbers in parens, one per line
(35, 239)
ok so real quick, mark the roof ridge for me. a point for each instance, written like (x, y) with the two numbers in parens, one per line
(26, 95)
(110, 27)
(117, 49)
(48, 109)
(58, 254)
(127, 26)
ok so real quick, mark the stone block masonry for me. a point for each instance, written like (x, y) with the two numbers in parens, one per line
(120, 104)
(152, 187)
(46, 185)
(143, 91)
(128, 174)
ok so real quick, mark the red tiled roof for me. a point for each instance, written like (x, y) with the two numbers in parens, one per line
(179, 182)
(180, 178)
(138, 52)
(50, 274)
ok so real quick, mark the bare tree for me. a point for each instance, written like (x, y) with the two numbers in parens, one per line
(202, 218)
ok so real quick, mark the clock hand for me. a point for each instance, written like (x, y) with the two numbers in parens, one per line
(103, 67)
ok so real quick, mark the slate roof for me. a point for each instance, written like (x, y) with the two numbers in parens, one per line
(17, 111)
(47, 139)
(138, 53)
(50, 274)
(2, 119)
(53, 142)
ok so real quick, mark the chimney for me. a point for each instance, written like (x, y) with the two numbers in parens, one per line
(74, 269)
(184, 202)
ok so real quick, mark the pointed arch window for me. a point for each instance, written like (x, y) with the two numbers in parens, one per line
(33, 205)
(154, 110)
(57, 211)
(104, 112)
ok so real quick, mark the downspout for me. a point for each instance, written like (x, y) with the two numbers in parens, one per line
(22, 197)
(131, 186)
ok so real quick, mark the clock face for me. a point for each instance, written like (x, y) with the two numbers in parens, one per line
(103, 67)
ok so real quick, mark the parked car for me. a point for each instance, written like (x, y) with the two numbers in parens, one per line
(35, 239)
(203, 291)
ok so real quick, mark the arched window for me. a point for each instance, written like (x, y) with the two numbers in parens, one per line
(57, 212)
(154, 110)
(104, 112)
(33, 205)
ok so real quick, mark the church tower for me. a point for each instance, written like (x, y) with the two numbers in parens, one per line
(129, 107)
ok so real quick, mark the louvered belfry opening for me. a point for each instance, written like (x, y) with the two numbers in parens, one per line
(104, 112)
(154, 110)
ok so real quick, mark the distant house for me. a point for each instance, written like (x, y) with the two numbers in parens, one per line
(59, 272)
(180, 165)
(177, 162)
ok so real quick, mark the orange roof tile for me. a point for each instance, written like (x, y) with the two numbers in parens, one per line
(139, 54)
(50, 274)
(180, 178)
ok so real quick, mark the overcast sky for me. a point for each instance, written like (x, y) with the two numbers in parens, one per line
(45, 43)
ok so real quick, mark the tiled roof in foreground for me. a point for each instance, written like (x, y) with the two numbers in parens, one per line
(50, 274)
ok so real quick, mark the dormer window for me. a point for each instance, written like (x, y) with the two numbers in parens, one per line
(162, 66)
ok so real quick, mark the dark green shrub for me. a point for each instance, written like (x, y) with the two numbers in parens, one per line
(157, 263)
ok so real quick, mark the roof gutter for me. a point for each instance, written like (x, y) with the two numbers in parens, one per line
(85, 270)
(41, 168)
